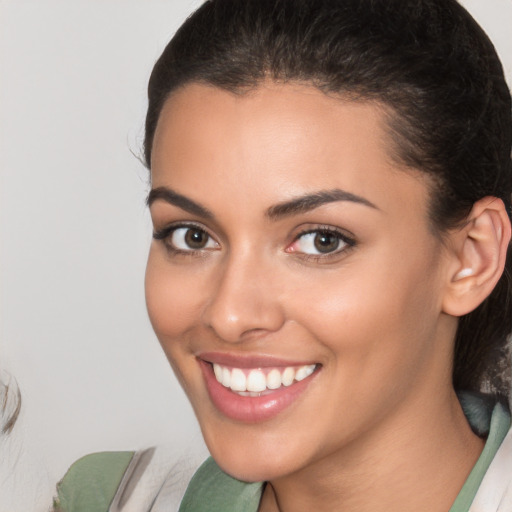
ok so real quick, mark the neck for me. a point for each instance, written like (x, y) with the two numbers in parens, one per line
(426, 445)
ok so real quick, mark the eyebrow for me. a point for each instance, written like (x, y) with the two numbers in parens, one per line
(172, 197)
(309, 202)
(294, 206)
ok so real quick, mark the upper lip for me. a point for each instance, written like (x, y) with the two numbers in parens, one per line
(249, 360)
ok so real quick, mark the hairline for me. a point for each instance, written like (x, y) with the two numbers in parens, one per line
(390, 115)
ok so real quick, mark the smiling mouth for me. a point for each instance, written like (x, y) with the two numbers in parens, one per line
(252, 389)
(260, 381)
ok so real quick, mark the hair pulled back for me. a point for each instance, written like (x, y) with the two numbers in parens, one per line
(427, 60)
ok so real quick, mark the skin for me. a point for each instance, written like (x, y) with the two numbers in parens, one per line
(379, 425)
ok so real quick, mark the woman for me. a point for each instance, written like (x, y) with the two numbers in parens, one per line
(330, 271)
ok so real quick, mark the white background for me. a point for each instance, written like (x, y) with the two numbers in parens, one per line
(74, 233)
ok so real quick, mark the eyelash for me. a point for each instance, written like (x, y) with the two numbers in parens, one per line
(166, 233)
(349, 242)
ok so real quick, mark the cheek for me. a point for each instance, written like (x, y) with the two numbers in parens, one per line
(173, 305)
(171, 298)
(370, 315)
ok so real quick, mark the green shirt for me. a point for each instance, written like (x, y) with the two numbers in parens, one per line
(498, 427)
(91, 483)
(212, 490)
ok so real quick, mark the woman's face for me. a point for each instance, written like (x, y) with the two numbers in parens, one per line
(294, 282)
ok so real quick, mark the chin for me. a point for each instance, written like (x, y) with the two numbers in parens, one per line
(254, 454)
(250, 470)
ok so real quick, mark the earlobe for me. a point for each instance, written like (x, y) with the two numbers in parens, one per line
(480, 257)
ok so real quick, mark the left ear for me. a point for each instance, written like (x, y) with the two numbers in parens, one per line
(480, 251)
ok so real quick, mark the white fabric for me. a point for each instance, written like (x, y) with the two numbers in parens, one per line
(156, 479)
(495, 491)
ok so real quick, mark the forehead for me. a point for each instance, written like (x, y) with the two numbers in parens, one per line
(284, 139)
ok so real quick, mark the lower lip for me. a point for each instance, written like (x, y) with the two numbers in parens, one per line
(250, 409)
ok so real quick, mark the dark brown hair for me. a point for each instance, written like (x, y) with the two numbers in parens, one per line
(426, 59)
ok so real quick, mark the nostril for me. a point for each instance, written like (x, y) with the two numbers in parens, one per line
(248, 323)
(241, 306)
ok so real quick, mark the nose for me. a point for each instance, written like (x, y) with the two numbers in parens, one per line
(244, 301)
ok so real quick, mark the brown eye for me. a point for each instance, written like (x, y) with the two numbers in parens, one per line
(196, 238)
(321, 242)
(326, 241)
(191, 238)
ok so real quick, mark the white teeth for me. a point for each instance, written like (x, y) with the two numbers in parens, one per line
(304, 371)
(256, 381)
(273, 379)
(226, 377)
(288, 376)
(218, 372)
(238, 380)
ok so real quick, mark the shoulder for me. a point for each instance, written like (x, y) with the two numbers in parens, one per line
(128, 481)
(495, 492)
(92, 482)
(211, 489)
